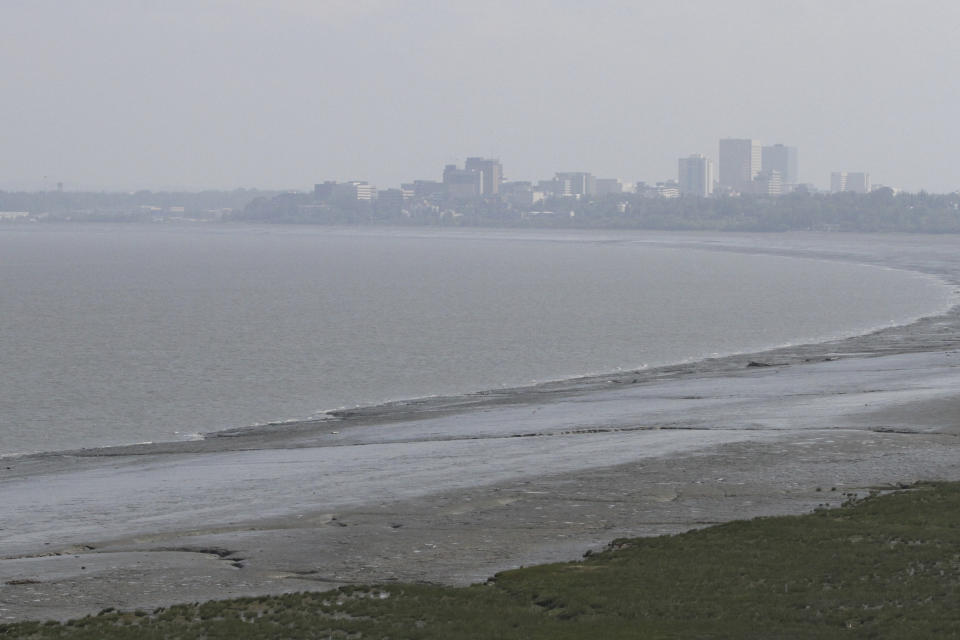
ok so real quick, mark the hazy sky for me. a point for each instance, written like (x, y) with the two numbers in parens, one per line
(126, 94)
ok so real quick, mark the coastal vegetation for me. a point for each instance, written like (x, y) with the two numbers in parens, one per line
(884, 566)
(881, 210)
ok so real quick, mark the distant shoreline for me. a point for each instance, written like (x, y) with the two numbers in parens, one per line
(881, 210)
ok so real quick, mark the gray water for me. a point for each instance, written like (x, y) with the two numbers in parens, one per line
(120, 334)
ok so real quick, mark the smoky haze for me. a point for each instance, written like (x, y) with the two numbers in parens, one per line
(128, 94)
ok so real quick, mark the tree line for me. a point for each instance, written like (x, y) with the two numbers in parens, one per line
(879, 211)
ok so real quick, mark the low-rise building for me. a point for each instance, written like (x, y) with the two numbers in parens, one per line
(855, 182)
(607, 186)
(462, 183)
(576, 184)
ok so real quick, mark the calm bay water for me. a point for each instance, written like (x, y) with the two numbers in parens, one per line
(113, 334)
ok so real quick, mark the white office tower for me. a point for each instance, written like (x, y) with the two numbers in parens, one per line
(696, 176)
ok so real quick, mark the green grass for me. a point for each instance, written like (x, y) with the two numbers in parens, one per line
(885, 567)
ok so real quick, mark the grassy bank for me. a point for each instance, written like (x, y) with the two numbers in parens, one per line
(887, 566)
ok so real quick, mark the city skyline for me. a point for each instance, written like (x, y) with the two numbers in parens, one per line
(210, 94)
(743, 167)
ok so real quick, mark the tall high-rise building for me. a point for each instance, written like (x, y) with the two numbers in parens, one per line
(696, 176)
(849, 181)
(740, 162)
(783, 159)
(492, 172)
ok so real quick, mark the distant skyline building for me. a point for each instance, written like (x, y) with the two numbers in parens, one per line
(424, 188)
(462, 183)
(324, 190)
(392, 200)
(695, 176)
(740, 162)
(854, 182)
(492, 172)
(355, 190)
(521, 193)
(668, 189)
(345, 191)
(607, 186)
(783, 159)
(575, 184)
(768, 183)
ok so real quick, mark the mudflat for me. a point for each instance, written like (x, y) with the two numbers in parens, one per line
(452, 490)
